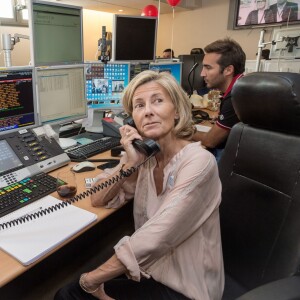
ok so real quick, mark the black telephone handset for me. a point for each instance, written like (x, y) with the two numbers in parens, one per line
(146, 146)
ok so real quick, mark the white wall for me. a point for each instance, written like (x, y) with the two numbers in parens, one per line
(191, 29)
(92, 31)
(20, 56)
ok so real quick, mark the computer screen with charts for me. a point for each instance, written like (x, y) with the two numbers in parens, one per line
(61, 94)
(17, 99)
(105, 84)
(56, 33)
(173, 68)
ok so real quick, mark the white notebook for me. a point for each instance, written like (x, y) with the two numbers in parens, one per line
(31, 240)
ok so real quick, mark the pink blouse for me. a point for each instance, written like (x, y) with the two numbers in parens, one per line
(177, 239)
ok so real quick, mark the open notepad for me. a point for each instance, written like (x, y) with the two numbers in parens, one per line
(31, 240)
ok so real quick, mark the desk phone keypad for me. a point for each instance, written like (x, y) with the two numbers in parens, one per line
(26, 191)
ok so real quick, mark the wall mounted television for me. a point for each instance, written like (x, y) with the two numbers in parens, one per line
(245, 14)
(134, 38)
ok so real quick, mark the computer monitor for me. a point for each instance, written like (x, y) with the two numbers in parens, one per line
(105, 84)
(61, 94)
(134, 38)
(192, 80)
(175, 68)
(17, 99)
(138, 67)
(56, 33)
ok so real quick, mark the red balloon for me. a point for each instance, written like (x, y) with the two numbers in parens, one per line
(173, 3)
(150, 11)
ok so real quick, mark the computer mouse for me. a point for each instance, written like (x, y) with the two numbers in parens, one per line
(84, 167)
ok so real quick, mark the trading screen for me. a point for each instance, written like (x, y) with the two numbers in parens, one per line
(16, 99)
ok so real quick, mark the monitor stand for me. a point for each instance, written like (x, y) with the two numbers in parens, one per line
(63, 142)
(95, 119)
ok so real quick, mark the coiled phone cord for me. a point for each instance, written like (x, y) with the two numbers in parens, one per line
(101, 186)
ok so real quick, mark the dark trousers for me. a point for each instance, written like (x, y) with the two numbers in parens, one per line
(122, 288)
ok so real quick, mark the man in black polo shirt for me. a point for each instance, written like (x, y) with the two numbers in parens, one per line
(223, 64)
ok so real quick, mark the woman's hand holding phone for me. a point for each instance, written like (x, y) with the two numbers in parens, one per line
(128, 135)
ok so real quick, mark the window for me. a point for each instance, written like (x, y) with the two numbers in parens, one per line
(13, 13)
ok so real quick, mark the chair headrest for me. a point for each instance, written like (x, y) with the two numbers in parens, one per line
(269, 100)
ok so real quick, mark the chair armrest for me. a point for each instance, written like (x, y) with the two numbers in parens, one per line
(283, 289)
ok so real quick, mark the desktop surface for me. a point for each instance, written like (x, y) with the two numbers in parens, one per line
(11, 268)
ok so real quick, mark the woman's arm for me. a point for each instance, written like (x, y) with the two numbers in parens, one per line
(133, 159)
(103, 196)
(91, 281)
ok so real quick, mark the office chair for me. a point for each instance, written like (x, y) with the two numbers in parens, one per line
(260, 174)
(197, 51)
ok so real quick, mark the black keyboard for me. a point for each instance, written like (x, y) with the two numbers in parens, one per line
(95, 147)
(26, 191)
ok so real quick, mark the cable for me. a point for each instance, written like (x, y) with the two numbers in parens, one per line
(101, 186)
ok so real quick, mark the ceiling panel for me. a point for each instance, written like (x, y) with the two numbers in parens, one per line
(129, 7)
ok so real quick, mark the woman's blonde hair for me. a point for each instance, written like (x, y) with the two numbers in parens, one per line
(184, 127)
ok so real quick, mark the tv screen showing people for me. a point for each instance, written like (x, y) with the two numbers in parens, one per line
(267, 12)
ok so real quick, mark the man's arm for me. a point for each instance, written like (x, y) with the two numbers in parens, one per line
(212, 138)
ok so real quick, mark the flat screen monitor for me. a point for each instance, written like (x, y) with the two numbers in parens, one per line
(61, 94)
(192, 80)
(17, 99)
(174, 68)
(56, 32)
(105, 84)
(244, 14)
(134, 38)
(137, 68)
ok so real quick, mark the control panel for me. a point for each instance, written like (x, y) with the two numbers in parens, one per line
(24, 154)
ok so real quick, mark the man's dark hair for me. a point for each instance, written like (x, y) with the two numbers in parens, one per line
(231, 54)
(170, 50)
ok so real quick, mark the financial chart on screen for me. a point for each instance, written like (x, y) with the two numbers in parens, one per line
(17, 101)
(105, 84)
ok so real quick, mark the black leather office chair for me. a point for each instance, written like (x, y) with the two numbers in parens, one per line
(260, 173)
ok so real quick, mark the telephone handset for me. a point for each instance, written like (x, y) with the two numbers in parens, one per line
(146, 146)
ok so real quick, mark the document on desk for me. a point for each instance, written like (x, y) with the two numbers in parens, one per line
(33, 239)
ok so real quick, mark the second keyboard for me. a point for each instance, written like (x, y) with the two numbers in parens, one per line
(93, 148)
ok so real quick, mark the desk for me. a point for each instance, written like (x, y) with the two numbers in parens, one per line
(11, 268)
(212, 114)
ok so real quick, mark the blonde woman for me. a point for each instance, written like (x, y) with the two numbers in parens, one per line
(175, 252)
